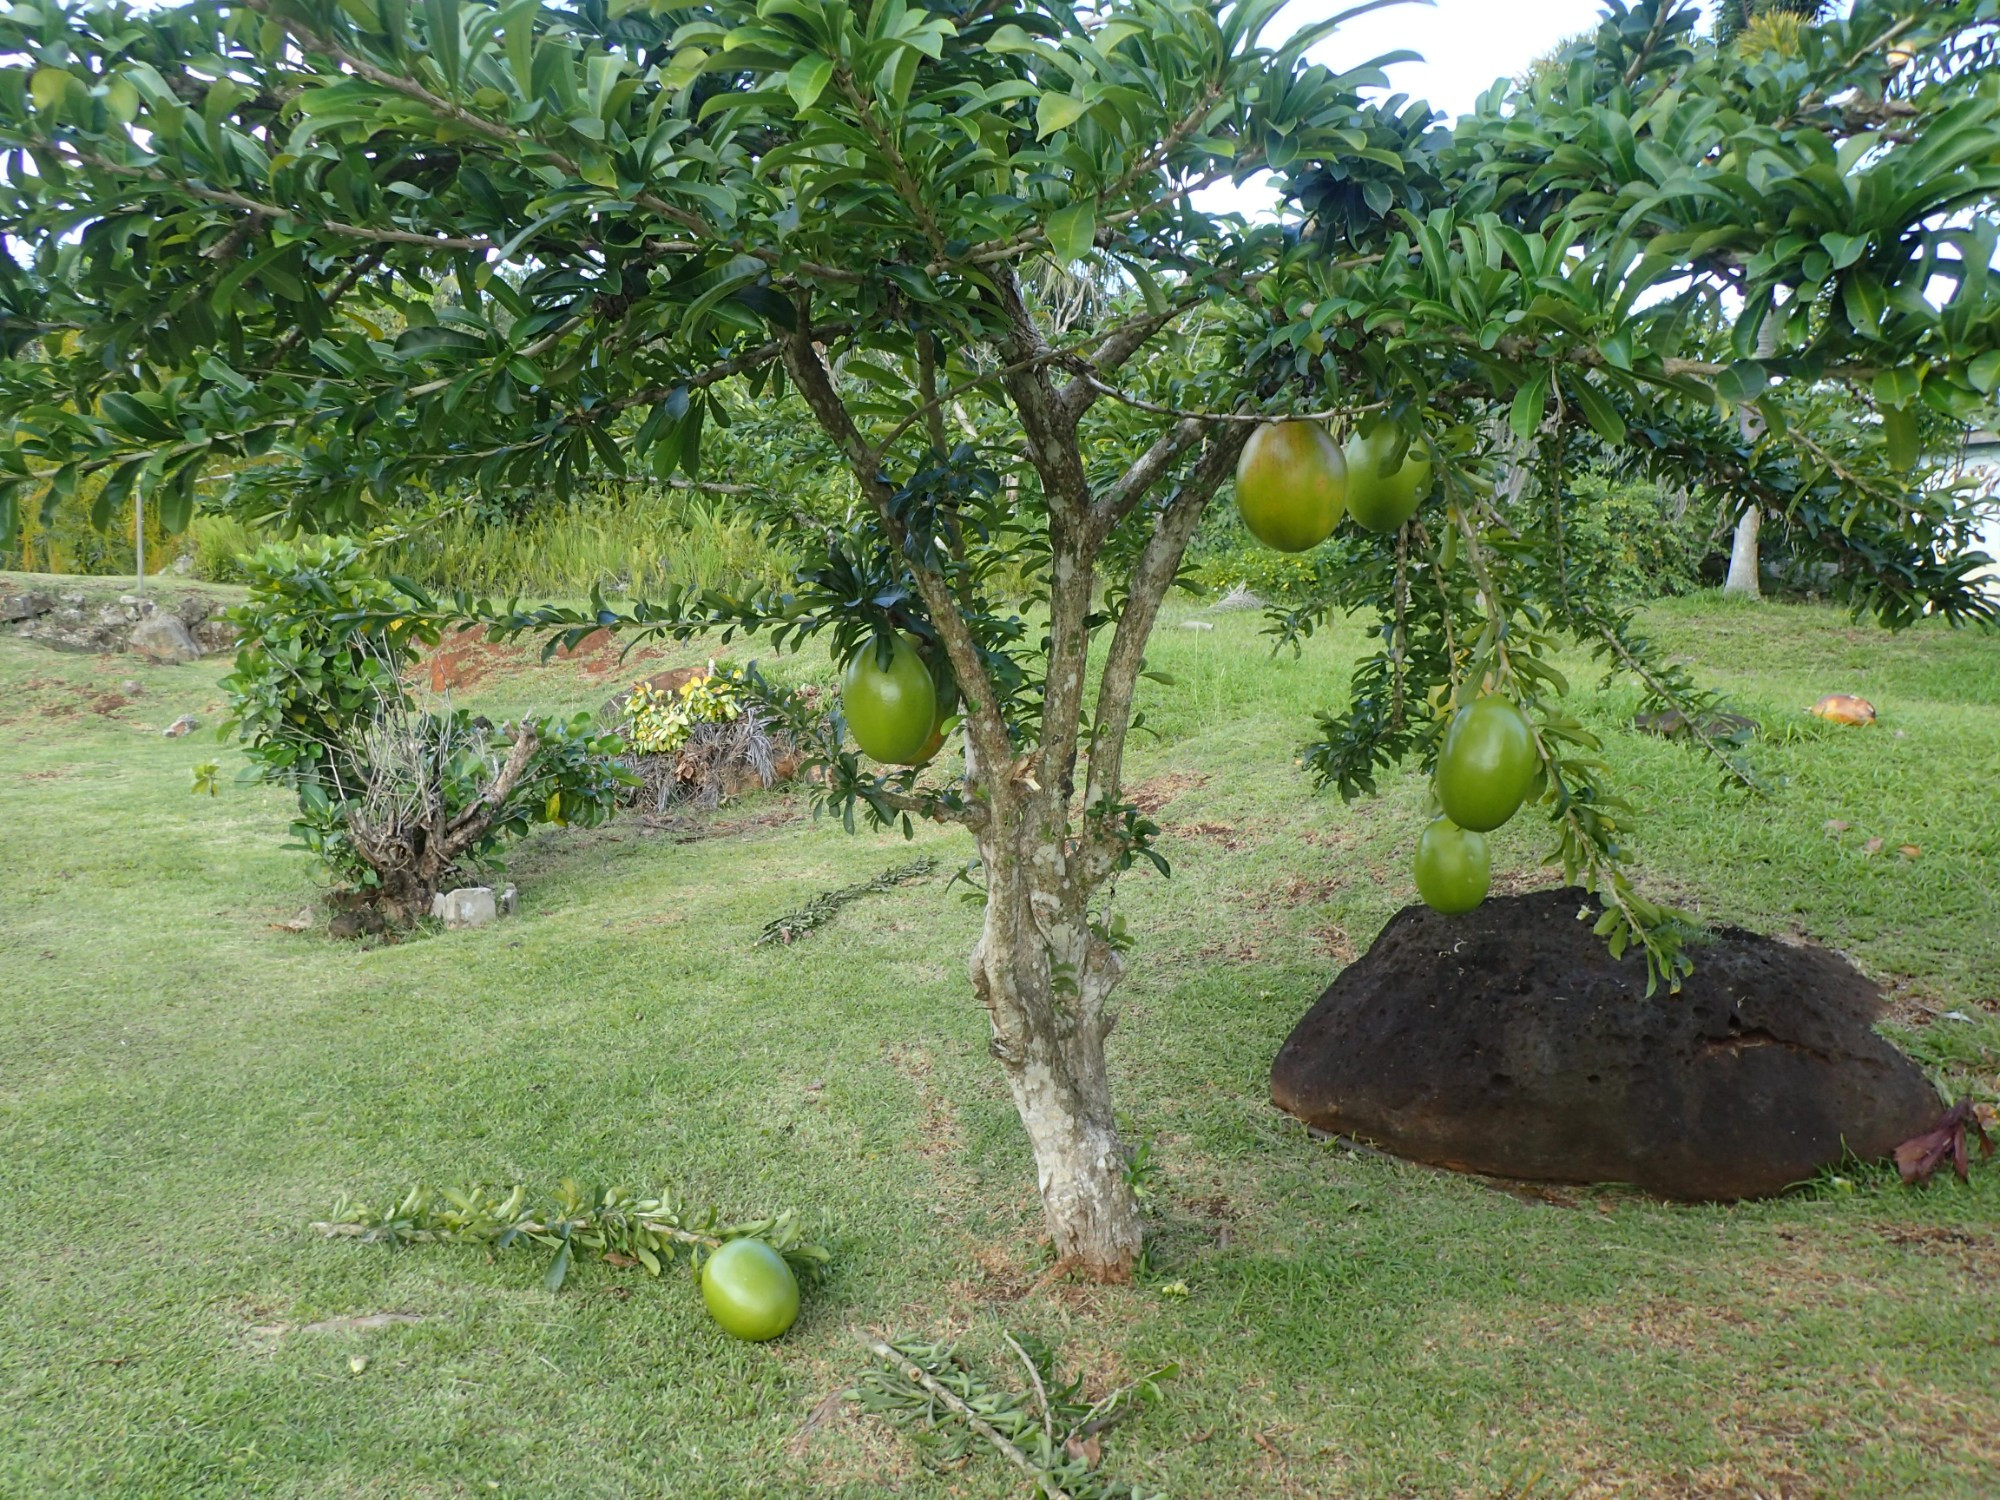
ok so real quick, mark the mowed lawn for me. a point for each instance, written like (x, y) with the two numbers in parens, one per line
(189, 1085)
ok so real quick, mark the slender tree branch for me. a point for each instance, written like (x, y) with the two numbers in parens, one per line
(1151, 579)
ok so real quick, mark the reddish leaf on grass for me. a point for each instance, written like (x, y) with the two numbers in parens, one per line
(1918, 1158)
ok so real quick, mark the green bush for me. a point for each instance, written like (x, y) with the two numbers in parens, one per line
(392, 797)
(1631, 540)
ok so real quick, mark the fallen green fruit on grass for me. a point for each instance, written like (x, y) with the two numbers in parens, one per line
(891, 710)
(750, 1291)
(1486, 765)
(1453, 867)
(1291, 485)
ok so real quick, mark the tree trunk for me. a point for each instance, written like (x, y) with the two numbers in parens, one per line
(1744, 561)
(1043, 977)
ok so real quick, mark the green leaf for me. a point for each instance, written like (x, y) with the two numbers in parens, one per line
(808, 80)
(1073, 231)
(1603, 417)
(1984, 372)
(1900, 436)
(1529, 403)
(559, 1270)
(1746, 380)
(1897, 387)
(1056, 111)
(1845, 249)
(1865, 302)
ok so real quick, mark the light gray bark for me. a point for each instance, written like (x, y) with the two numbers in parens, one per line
(1745, 555)
(1744, 560)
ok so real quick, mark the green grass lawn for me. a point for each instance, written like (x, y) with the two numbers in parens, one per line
(189, 1085)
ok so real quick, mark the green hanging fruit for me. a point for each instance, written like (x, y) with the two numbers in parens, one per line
(750, 1291)
(890, 710)
(1486, 765)
(1378, 501)
(1291, 485)
(1453, 868)
(946, 687)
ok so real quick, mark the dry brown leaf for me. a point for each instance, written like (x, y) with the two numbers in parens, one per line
(1873, 846)
(1836, 825)
(1909, 851)
(1088, 1449)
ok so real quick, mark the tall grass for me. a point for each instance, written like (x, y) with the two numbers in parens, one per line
(637, 543)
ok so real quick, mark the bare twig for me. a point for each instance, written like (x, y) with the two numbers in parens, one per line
(922, 1377)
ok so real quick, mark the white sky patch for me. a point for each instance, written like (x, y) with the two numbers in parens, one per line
(1466, 45)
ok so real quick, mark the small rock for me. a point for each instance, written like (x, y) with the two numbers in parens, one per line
(184, 725)
(1197, 625)
(468, 906)
(164, 638)
(74, 600)
(355, 922)
(25, 606)
(131, 687)
(183, 566)
(215, 634)
(509, 899)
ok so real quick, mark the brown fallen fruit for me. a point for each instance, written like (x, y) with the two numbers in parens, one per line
(1843, 708)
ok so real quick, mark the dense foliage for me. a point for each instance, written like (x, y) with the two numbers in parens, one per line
(391, 796)
(346, 255)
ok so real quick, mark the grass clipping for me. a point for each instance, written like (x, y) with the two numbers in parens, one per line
(1047, 1429)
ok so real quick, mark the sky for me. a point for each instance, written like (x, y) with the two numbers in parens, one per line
(1466, 45)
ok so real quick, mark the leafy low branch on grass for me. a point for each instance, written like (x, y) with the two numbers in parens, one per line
(628, 1228)
(817, 912)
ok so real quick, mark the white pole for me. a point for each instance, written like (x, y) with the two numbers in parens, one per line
(139, 532)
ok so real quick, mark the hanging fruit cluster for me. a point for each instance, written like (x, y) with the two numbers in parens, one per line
(1486, 768)
(1292, 487)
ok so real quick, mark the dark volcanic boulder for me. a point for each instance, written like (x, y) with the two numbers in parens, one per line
(1508, 1041)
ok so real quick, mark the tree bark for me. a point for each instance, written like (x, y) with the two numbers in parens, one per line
(1744, 559)
(1745, 556)
(1044, 976)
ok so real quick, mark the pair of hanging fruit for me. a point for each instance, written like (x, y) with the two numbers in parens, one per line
(1293, 484)
(1485, 770)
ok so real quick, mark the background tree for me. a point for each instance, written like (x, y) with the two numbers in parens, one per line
(351, 247)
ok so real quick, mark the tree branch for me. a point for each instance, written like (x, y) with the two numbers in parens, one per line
(1151, 579)
(984, 725)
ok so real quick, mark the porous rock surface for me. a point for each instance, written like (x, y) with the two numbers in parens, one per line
(1507, 1041)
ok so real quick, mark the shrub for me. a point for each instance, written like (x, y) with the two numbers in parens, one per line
(392, 796)
(701, 742)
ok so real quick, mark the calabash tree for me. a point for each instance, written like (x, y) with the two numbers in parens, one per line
(341, 250)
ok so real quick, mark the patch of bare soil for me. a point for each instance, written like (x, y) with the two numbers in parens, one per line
(465, 659)
(1228, 835)
(1150, 796)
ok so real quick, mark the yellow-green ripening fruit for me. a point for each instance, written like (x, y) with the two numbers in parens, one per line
(1453, 869)
(750, 1291)
(1486, 765)
(1378, 501)
(1291, 485)
(890, 710)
